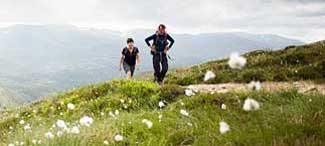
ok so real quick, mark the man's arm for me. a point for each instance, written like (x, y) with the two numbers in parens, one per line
(121, 62)
(171, 40)
(148, 39)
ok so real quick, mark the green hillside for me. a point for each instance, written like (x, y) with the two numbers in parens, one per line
(282, 118)
(293, 63)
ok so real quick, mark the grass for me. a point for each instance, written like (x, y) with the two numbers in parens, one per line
(293, 63)
(286, 118)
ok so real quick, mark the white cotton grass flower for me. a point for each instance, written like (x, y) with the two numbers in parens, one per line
(21, 122)
(86, 121)
(70, 106)
(236, 61)
(59, 133)
(117, 113)
(112, 114)
(184, 112)
(122, 100)
(74, 130)
(147, 122)
(10, 144)
(161, 104)
(160, 117)
(224, 127)
(27, 127)
(49, 135)
(118, 137)
(105, 142)
(61, 124)
(102, 113)
(223, 106)
(209, 75)
(255, 85)
(251, 104)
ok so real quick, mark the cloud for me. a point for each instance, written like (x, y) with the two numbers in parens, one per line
(191, 16)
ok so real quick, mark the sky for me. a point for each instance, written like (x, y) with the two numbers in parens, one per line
(299, 19)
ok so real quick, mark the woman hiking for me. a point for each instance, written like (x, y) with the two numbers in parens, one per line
(130, 58)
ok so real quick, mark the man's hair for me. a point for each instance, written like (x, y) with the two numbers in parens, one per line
(129, 40)
(162, 26)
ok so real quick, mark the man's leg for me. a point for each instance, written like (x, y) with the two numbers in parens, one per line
(156, 66)
(164, 64)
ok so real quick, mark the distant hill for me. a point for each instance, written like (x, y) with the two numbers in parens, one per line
(37, 60)
(7, 98)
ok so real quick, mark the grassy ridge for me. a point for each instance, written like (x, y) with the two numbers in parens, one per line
(286, 118)
(293, 63)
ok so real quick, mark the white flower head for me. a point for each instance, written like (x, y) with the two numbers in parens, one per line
(236, 61)
(71, 106)
(59, 133)
(10, 144)
(27, 127)
(224, 127)
(209, 75)
(86, 121)
(118, 137)
(184, 112)
(61, 124)
(117, 113)
(147, 122)
(251, 104)
(223, 106)
(161, 104)
(49, 135)
(122, 100)
(255, 85)
(75, 130)
(106, 142)
(21, 122)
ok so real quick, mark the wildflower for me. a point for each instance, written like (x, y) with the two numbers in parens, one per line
(49, 135)
(254, 85)
(112, 115)
(236, 61)
(61, 124)
(27, 127)
(184, 112)
(59, 133)
(34, 141)
(102, 113)
(71, 106)
(75, 130)
(122, 100)
(182, 103)
(10, 144)
(21, 122)
(224, 127)
(209, 75)
(106, 142)
(189, 124)
(161, 104)
(118, 138)
(251, 104)
(86, 121)
(147, 122)
(223, 106)
(117, 112)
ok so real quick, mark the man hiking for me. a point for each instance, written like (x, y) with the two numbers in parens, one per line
(161, 44)
(130, 58)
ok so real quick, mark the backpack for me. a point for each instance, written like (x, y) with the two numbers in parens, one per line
(156, 42)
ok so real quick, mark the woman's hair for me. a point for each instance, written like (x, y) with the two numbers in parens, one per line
(129, 40)
(162, 26)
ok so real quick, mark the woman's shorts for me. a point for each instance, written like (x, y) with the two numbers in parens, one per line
(128, 68)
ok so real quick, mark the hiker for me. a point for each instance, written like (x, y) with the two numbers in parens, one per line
(161, 44)
(130, 58)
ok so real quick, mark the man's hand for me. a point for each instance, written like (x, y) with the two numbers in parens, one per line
(152, 48)
(166, 49)
(138, 67)
(120, 68)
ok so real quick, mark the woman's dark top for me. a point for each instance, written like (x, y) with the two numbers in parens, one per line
(130, 58)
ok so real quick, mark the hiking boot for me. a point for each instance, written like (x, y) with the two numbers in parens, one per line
(161, 83)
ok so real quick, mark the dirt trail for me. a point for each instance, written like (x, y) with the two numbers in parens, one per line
(301, 86)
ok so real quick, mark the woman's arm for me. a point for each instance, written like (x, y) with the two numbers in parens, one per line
(138, 61)
(121, 62)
